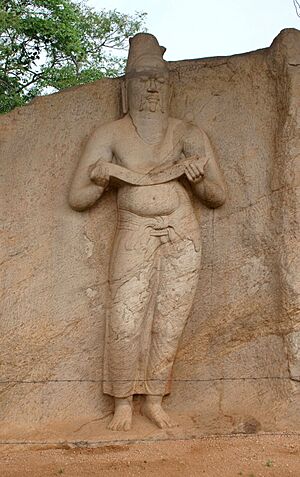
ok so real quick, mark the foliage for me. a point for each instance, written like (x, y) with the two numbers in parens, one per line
(56, 44)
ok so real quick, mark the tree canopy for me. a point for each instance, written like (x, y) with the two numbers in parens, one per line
(54, 44)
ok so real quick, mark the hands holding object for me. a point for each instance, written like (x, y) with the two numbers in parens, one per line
(102, 173)
(194, 171)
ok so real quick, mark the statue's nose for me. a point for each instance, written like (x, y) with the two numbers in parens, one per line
(152, 88)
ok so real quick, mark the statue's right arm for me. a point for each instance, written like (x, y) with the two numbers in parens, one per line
(84, 192)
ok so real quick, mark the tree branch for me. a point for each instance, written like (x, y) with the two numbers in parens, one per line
(297, 7)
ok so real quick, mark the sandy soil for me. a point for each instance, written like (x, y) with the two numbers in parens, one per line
(247, 456)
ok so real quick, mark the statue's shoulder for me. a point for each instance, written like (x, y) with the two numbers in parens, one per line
(186, 128)
(110, 129)
(175, 121)
(177, 125)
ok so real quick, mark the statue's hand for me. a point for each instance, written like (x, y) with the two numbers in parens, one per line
(99, 175)
(194, 172)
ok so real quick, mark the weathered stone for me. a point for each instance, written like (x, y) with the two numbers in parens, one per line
(238, 359)
(153, 160)
(293, 341)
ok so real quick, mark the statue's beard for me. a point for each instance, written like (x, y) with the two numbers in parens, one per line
(152, 104)
(150, 118)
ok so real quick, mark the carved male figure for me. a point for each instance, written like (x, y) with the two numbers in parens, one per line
(155, 261)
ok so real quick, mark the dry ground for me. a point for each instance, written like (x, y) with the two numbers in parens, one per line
(247, 456)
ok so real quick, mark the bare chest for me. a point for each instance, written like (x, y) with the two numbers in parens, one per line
(135, 154)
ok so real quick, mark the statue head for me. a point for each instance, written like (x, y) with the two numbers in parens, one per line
(146, 86)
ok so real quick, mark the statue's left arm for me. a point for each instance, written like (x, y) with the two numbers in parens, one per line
(208, 185)
(85, 191)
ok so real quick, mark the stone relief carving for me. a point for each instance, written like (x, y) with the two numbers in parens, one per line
(155, 261)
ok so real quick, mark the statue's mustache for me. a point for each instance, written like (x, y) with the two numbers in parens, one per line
(154, 99)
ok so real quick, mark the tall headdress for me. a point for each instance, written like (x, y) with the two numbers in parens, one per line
(142, 47)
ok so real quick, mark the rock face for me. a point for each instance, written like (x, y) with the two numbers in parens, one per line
(238, 364)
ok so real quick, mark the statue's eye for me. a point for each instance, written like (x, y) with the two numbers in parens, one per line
(161, 79)
(143, 79)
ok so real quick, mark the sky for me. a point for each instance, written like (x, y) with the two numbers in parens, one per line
(204, 28)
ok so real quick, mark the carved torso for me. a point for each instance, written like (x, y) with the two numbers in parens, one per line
(133, 153)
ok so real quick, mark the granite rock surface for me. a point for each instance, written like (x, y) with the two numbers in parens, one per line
(238, 365)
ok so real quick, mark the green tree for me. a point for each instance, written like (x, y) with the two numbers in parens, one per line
(53, 44)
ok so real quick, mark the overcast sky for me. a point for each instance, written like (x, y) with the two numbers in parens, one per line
(200, 28)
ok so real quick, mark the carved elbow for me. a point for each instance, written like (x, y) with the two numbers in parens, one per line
(75, 205)
(84, 197)
(220, 199)
(217, 199)
(75, 202)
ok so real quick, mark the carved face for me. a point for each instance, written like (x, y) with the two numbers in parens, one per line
(148, 87)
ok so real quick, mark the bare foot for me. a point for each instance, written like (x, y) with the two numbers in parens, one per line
(152, 409)
(122, 418)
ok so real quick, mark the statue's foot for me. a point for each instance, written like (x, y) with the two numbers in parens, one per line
(152, 409)
(122, 418)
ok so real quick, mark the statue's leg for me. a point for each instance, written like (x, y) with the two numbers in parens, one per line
(131, 274)
(179, 270)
